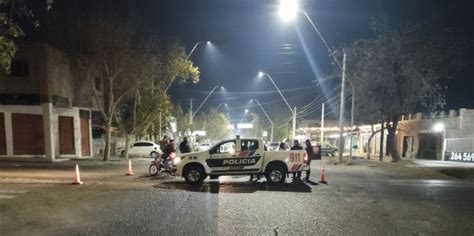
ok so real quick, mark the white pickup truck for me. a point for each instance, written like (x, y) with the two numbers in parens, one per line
(238, 156)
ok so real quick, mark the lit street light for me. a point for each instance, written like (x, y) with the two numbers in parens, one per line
(195, 46)
(191, 115)
(287, 11)
(225, 104)
(293, 111)
(268, 117)
(188, 56)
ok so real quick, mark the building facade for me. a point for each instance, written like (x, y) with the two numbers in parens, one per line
(45, 111)
(445, 136)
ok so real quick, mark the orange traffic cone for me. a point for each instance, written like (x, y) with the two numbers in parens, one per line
(77, 176)
(130, 172)
(322, 176)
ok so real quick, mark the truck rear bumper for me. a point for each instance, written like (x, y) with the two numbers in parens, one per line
(298, 167)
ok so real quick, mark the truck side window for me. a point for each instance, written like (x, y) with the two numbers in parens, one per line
(227, 147)
(249, 145)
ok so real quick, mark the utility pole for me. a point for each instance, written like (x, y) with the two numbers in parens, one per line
(352, 121)
(161, 135)
(294, 124)
(341, 109)
(382, 134)
(191, 111)
(322, 124)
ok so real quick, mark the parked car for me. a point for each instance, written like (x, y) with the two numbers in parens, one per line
(273, 146)
(203, 147)
(327, 150)
(143, 148)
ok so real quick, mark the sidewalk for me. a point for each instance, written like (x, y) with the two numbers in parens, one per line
(411, 168)
(91, 169)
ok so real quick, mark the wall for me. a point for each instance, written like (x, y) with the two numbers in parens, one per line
(69, 112)
(51, 73)
(35, 55)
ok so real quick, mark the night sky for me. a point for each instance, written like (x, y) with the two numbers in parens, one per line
(249, 36)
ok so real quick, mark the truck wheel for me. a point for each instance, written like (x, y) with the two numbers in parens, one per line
(275, 175)
(194, 174)
(153, 170)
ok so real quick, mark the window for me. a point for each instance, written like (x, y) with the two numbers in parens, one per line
(249, 145)
(19, 68)
(227, 147)
(142, 144)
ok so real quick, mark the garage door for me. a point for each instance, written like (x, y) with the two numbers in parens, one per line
(3, 143)
(85, 140)
(66, 135)
(28, 134)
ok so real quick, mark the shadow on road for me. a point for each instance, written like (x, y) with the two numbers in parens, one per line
(235, 187)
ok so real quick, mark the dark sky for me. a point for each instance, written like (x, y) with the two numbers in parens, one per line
(249, 36)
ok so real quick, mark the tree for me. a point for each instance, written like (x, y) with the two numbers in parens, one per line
(257, 124)
(107, 63)
(182, 119)
(214, 123)
(281, 128)
(10, 11)
(396, 73)
(127, 66)
(151, 104)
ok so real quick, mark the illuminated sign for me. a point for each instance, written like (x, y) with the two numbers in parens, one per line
(244, 126)
(459, 156)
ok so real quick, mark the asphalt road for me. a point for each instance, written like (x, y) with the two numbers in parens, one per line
(358, 200)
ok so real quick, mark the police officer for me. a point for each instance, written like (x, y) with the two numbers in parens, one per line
(296, 146)
(184, 146)
(311, 155)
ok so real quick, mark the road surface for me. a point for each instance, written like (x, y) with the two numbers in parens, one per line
(363, 199)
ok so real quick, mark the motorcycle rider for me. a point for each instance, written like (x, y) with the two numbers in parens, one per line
(168, 150)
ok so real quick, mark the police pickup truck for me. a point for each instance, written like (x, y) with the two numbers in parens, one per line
(239, 156)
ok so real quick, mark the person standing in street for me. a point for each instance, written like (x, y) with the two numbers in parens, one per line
(296, 146)
(184, 146)
(311, 155)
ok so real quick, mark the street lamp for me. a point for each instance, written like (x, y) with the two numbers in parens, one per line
(225, 104)
(287, 11)
(188, 56)
(191, 115)
(293, 111)
(439, 127)
(195, 46)
(268, 117)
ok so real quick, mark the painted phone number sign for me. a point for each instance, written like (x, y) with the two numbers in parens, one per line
(459, 156)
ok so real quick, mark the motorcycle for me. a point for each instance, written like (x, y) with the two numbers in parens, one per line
(159, 165)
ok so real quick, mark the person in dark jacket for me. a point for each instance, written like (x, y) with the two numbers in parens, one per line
(184, 146)
(318, 152)
(296, 146)
(311, 155)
